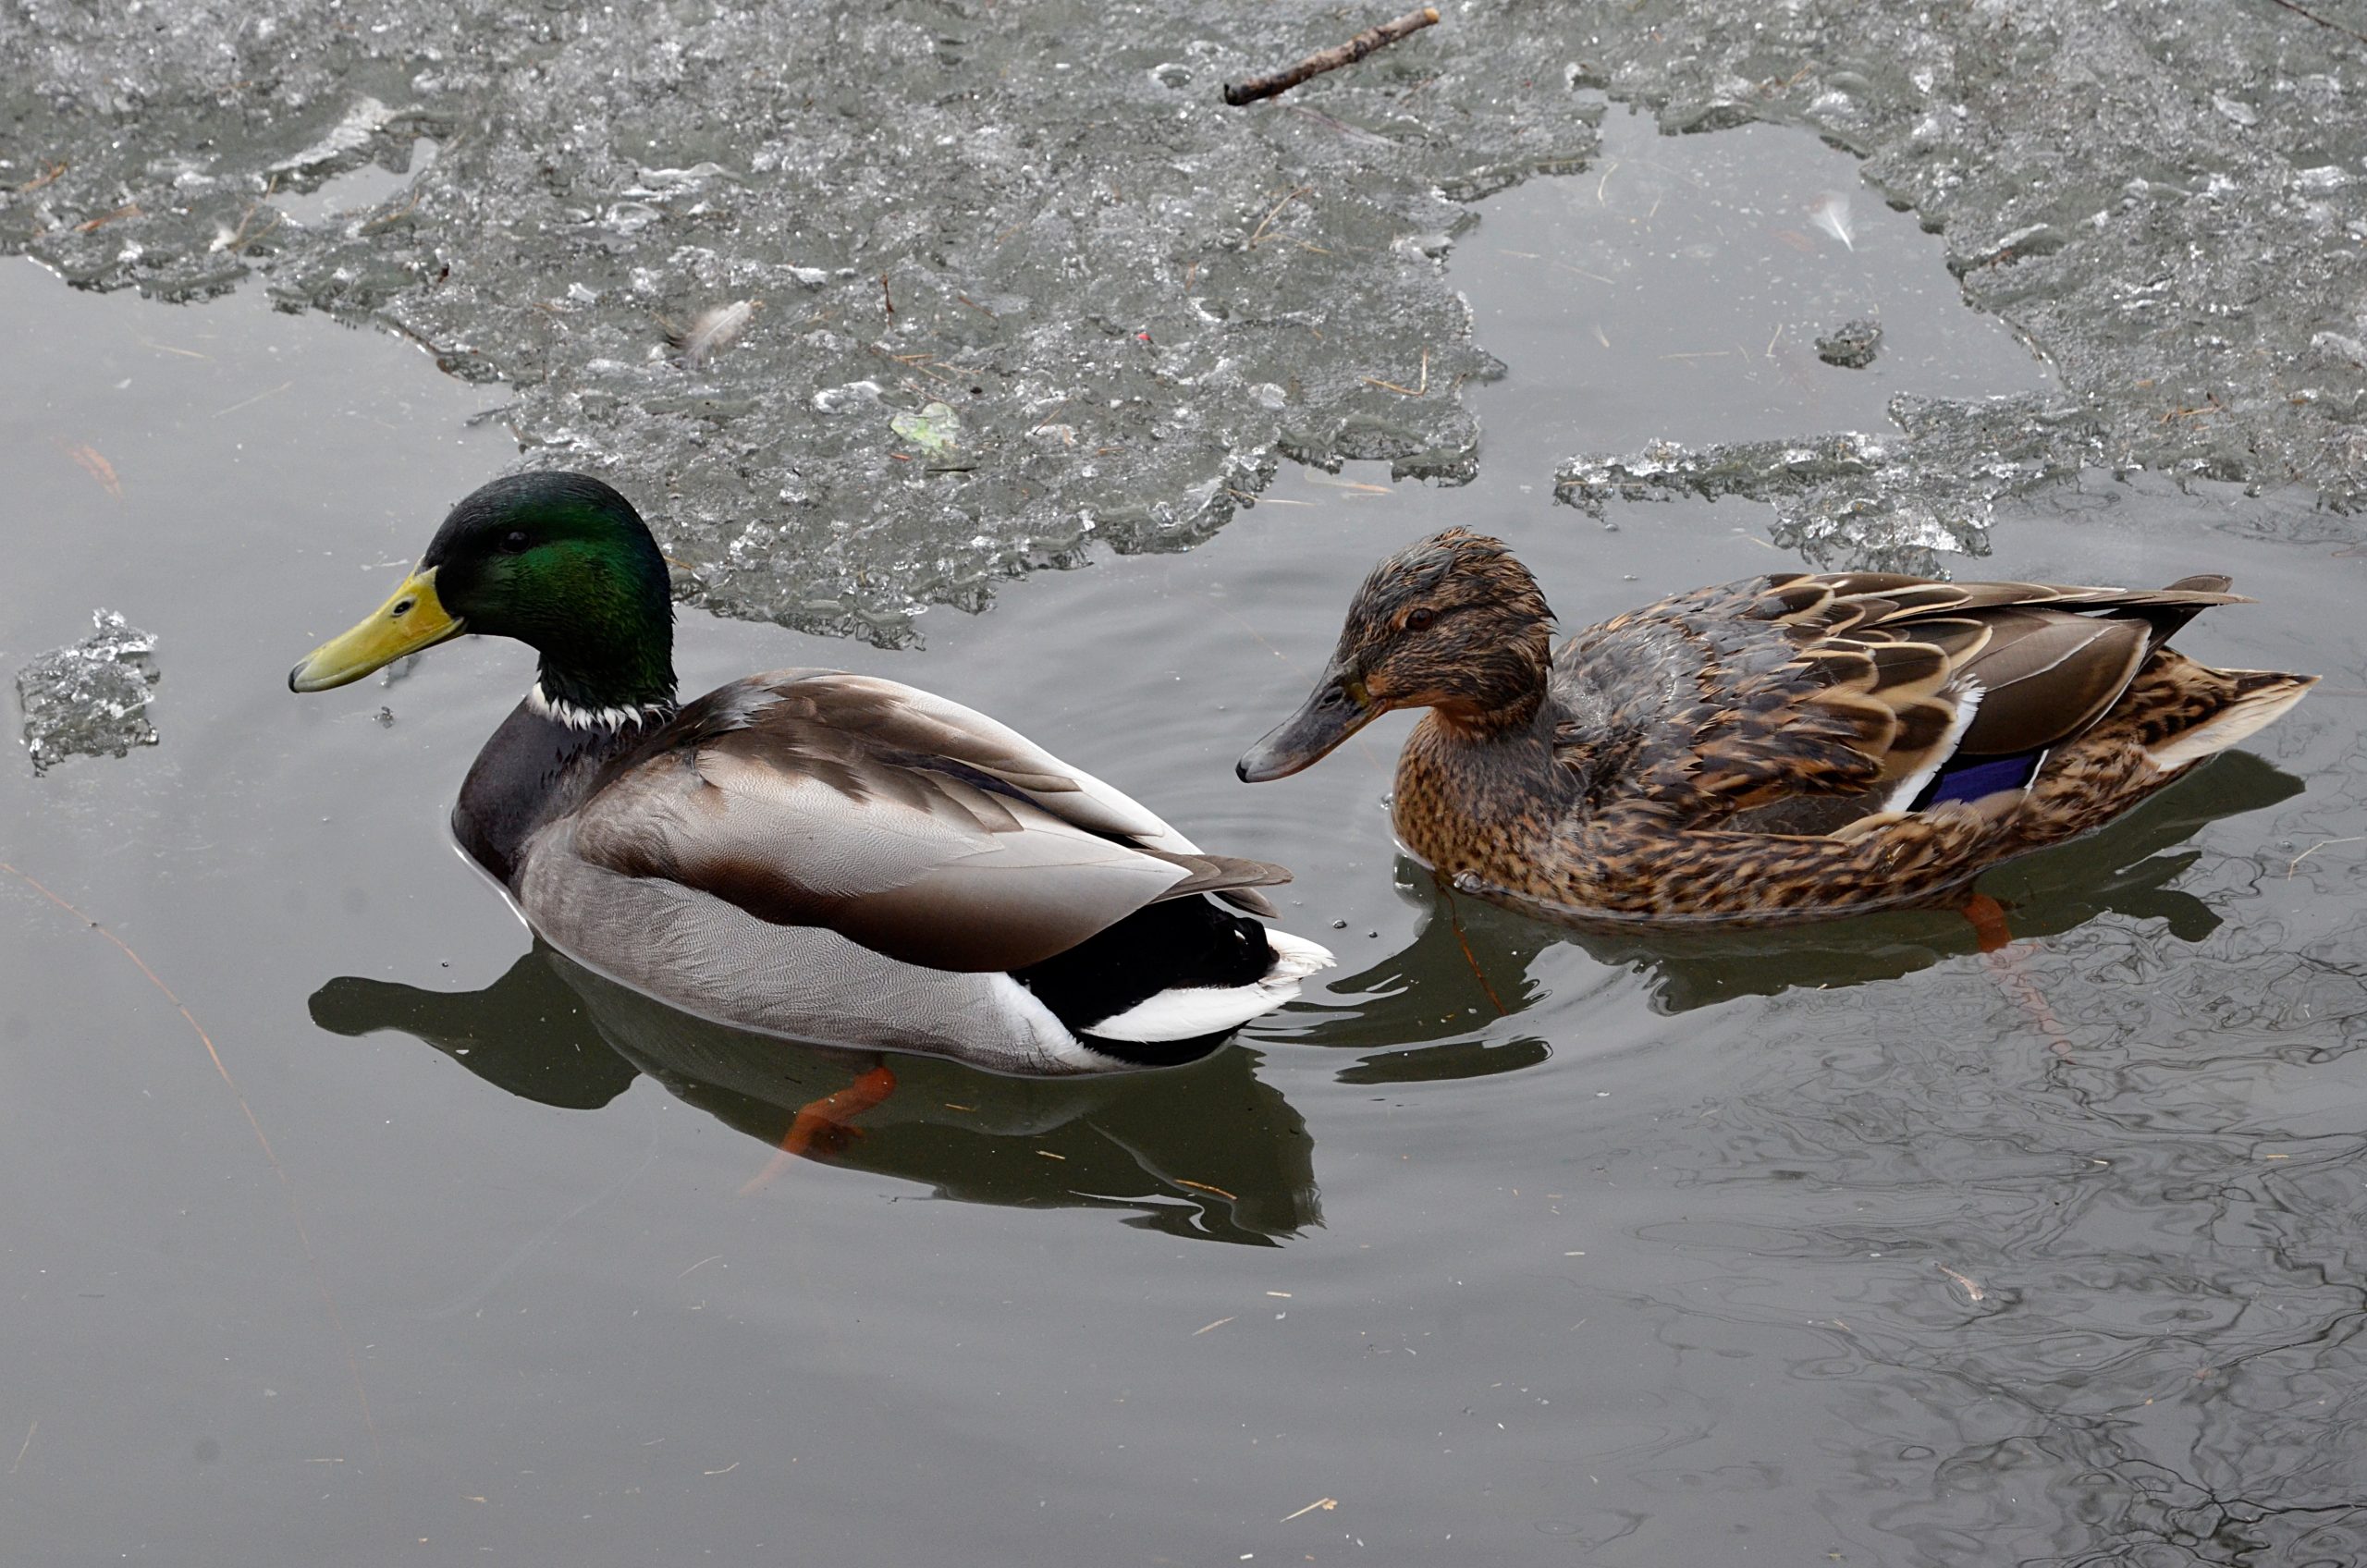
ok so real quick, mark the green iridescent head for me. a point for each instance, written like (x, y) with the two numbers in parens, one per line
(560, 561)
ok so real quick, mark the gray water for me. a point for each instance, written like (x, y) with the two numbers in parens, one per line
(406, 1242)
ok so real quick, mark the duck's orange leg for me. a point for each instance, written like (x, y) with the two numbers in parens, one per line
(1988, 918)
(821, 1126)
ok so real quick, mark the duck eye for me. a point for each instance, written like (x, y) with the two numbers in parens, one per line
(514, 542)
(1420, 619)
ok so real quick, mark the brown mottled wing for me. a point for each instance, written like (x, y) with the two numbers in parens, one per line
(904, 822)
(1746, 706)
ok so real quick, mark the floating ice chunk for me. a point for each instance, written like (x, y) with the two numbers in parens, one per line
(2335, 346)
(361, 122)
(91, 699)
(1852, 344)
(667, 182)
(2237, 111)
(839, 399)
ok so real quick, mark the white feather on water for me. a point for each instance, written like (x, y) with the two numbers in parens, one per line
(712, 331)
(1830, 212)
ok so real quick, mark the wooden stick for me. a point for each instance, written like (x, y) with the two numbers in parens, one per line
(1347, 54)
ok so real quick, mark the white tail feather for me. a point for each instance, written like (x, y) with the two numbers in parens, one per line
(1189, 1011)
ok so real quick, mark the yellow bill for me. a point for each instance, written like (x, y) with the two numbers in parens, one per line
(413, 619)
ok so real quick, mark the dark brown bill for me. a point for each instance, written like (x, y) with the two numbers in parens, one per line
(1338, 708)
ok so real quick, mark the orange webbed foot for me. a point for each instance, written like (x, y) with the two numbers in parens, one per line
(825, 1126)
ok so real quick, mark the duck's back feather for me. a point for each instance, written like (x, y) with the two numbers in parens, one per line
(1795, 702)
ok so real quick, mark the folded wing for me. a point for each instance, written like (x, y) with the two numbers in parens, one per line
(1821, 700)
(911, 824)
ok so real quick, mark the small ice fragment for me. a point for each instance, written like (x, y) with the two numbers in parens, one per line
(91, 699)
(361, 122)
(665, 182)
(1851, 346)
(839, 399)
(2337, 346)
(1830, 211)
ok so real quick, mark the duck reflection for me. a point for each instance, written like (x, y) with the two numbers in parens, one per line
(1468, 966)
(1204, 1150)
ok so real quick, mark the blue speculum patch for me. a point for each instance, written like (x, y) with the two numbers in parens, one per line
(1969, 779)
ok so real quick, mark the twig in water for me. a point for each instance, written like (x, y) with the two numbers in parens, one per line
(1420, 391)
(1972, 1286)
(1267, 220)
(2295, 863)
(251, 402)
(2313, 16)
(1348, 54)
(1456, 916)
(87, 458)
(128, 209)
(1350, 132)
(1582, 272)
(385, 220)
(286, 1187)
(237, 239)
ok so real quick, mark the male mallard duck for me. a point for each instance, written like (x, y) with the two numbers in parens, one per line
(830, 856)
(1787, 746)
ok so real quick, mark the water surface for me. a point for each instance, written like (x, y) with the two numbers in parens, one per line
(1501, 1248)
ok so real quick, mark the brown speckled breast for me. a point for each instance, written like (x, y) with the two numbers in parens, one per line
(1485, 806)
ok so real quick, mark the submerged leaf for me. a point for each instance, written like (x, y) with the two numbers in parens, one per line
(934, 430)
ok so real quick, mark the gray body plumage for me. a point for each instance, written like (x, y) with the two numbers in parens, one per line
(849, 861)
(808, 983)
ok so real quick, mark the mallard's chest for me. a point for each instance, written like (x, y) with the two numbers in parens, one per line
(531, 770)
(1488, 807)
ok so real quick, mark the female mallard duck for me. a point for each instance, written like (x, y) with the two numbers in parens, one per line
(1789, 746)
(813, 853)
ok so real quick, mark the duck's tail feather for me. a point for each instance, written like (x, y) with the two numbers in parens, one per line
(2248, 700)
(1228, 876)
(1191, 1013)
